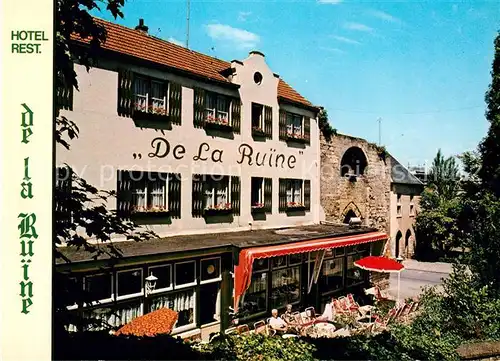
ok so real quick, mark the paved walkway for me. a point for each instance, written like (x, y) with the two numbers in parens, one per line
(416, 276)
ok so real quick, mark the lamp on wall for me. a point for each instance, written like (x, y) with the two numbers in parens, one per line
(150, 284)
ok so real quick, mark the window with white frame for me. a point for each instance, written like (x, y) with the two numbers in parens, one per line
(217, 195)
(257, 192)
(149, 192)
(294, 125)
(163, 273)
(210, 270)
(412, 206)
(129, 283)
(151, 95)
(184, 303)
(217, 108)
(98, 288)
(398, 205)
(294, 192)
(257, 116)
(185, 274)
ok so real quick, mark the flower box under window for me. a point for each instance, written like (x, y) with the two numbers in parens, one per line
(143, 112)
(258, 132)
(258, 208)
(219, 123)
(296, 137)
(295, 206)
(152, 211)
(219, 209)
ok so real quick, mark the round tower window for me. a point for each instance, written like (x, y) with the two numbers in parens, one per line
(257, 78)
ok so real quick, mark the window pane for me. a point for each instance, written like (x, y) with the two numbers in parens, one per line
(185, 273)
(256, 115)
(209, 101)
(354, 274)
(278, 262)
(210, 305)
(285, 287)
(182, 302)
(254, 299)
(210, 269)
(157, 90)
(295, 258)
(332, 275)
(156, 189)
(129, 282)
(257, 191)
(115, 317)
(98, 287)
(164, 275)
(260, 264)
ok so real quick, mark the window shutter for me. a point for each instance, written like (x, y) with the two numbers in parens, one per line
(236, 114)
(175, 103)
(307, 130)
(64, 96)
(235, 195)
(268, 121)
(282, 125)
(197, 192)
(174, 195)
(282, 195)
(307, 194)
(124, 194)
(199, 107)
(268, 195)
(125, 93)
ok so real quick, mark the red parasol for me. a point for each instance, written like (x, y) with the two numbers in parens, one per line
(379, 264)
(158, 322)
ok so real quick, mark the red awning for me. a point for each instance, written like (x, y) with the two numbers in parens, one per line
(379, 264)
(243, 271)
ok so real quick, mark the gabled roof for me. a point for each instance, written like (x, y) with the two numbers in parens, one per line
(400, 174)
(137, 44)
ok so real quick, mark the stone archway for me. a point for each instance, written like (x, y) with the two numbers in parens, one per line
(353, 162)
(399, 235)
(408, 245)
(350, 211)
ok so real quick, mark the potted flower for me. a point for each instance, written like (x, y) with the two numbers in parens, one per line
(298, 137)
(258, 131)
(220, 123)
(152, 112)
(149, 210)
(216, 209)
(258, 207)
(295, 206)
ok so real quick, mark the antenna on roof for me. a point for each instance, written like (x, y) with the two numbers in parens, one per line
(187, 23)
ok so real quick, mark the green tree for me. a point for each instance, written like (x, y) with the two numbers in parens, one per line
(490, 146)
(90, 215)
(444, 176)
(324, 125)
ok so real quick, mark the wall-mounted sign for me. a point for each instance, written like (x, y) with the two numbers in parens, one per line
(204, 152)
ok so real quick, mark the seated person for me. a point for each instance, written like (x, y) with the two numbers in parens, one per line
(288, 314)
(329, 312)
(277, 323)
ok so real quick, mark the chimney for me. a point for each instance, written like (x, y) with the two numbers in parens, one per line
(141, 27)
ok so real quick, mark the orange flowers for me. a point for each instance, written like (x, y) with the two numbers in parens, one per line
(154, 323)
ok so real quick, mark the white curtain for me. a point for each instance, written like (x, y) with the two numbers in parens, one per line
(178, 302)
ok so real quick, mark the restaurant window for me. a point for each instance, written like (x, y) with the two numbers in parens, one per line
(210, 270)
(285, 287)
(184, 303)
(163, 273)
(261, 264)
(103, 317)
(98, 287)
(255, 298)
(149, 193)
(129, 283)
(332, 274)
(355, 275)
(295, 259)
(185, 274)
(210, 302)
(217, 108)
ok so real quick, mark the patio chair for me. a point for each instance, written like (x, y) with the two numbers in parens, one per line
(344, 303)
(243, 329)
(406, 310)
(310, 313)
(230, 330)
(260, 327)
(338, 308)
(379, 296)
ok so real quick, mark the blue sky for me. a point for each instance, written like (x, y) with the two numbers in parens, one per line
(422, 67)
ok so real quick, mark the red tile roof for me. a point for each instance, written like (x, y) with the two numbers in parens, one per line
(134, 43)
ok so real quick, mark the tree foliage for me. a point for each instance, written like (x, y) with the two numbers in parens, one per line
(325, 126)
(444, 176)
